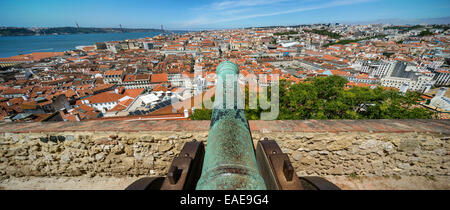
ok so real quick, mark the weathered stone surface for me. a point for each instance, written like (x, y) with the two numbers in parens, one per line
(408, 145)
(118, 149)
(338, 170)
(98, 154)
(100, 157)
(388, 147)
(441, 152)
(431, 144)
(308, 160)
(339, 144)
(320, 145)
(296, 156)
(368, 145)
(186, 136)
(70, 138)
(324, 152)
(138, 155)
(147, 138)
(165, 147)
(128, 162)
(66, 157)
(129, 151)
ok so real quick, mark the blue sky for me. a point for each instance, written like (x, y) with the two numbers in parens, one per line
(196, 14)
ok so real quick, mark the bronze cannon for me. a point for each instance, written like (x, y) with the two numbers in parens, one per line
(230, 161)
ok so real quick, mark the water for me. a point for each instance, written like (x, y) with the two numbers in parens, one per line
(15, 45)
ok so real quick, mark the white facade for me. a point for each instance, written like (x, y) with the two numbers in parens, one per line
(415, 85)
(101, 106)
(112, 79)
(442, 78)
(138, 84)
(383, 69)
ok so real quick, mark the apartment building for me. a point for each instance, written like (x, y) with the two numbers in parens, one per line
(442, 77)
(402, 77)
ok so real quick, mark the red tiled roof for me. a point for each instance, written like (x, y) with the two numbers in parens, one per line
(160, 88)
(122, 105)
(36, 56)
(143, 77)
(159, 78)
(114, 72)
(129, 78)
(104, 97)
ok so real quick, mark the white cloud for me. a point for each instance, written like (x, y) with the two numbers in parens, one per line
(233, 10)
(242, 3)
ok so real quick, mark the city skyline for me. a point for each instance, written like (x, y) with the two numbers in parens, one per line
(218, 14)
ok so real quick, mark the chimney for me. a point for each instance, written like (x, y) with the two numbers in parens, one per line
(116, 90)
(77, 117)
(9, 103)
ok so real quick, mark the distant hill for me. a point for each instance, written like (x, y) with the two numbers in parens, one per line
(15, 31)
(393, 21)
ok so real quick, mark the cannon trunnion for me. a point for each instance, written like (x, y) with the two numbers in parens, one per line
(275, 168)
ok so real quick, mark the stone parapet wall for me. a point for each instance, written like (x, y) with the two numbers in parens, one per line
(411, 148)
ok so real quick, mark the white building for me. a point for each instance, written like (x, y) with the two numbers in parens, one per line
(442, 77)
(382, 69)
(440, 101)
(404, 75)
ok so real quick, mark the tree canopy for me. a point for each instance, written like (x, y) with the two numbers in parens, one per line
(327, 98)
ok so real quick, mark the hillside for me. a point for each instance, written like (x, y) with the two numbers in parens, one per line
(12, 31)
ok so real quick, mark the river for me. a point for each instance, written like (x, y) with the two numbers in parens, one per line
(15, 45)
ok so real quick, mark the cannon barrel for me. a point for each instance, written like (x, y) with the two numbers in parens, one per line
(229, 161)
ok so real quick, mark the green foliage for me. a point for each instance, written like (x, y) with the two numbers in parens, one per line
(388, 54)
(348, 41)
(273, 41)
(10, 31)
(16, 31)
(425, 33)
(327, 98)
(342, 42)
(285, 33)
(431, 177)
(325, 33)
(443, 27)
(353, 175)
(404, 28)
(204, 114)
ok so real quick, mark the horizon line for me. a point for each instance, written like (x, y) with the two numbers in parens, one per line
(369, 22)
